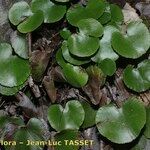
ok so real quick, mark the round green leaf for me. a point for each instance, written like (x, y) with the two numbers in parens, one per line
(90, 27)
(138, 79)
(105, 50)
(108, 66)
(10, 90)
(121, 125)
(65, 33)
(116, 13)
(70, 117)
(70, 58)
(65, 137)
(14, 70)
(75, 14)
(75, 75)
(19, 12)
(31, 23)
(147, 127)
(82, 46)
(19, 44)
(135, 43)
(90, 114)
(52, 12)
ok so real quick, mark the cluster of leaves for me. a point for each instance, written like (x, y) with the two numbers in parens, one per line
(66, 121)
(126, 122)
(14, 129)
(29, 17)
(15, 69)
(86, 57)
(102, 39)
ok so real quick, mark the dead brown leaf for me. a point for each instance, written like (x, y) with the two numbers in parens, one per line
(50, 88)
(39, 61)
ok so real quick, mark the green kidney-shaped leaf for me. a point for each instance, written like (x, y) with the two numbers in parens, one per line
(75, 75)
(90, 114)
(121, 125)
(14, 70)
(19, 44)
(66, 137)
(18, 12)
(135, 43)
(138, 79)
(90, 27)
(105, 51)
(70, 58)
(70, 117)
(108, 66)
(31, 23)
(82, 46)
(52, 12)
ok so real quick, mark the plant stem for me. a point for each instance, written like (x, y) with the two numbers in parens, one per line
(35, 89)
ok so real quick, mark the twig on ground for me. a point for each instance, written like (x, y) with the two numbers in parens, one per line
(35, 89)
